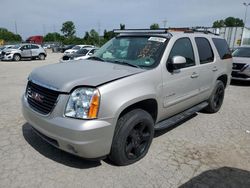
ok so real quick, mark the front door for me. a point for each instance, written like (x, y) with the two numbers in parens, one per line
(180, 87)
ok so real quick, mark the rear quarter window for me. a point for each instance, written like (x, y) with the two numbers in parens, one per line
(222, 48)
(205, 51)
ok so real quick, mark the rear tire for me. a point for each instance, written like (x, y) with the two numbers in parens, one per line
(16, 57)
(41, 56)
(132, 138)
(216, 99)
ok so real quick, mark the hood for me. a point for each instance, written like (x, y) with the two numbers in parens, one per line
(10, 50)
(65, 76)
(241, 60)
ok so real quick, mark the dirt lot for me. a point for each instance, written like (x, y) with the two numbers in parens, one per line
(208, 150)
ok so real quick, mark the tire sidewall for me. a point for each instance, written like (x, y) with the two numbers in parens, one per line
(16, 55)
(211, 100)
(41, 56)
(126, 124)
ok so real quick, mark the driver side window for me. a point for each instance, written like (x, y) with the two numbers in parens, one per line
(183, 47)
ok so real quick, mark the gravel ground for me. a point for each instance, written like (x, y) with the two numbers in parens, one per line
(208, 150)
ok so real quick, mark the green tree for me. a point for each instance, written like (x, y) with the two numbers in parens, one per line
(68, 29)
(234, 22)
(154, 26)
(218, 24)
(53, 37)
(229, 22)
(9, 36)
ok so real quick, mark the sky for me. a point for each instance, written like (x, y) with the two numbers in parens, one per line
(38, 17)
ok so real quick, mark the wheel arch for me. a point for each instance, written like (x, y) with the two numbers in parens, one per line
(224, 79)
(150, 105)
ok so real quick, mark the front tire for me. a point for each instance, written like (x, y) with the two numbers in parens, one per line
(216, 99)
(16, 57)
(132, 138)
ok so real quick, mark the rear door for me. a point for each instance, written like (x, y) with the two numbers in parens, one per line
(181, 88)
(34, 50)
(207, 66)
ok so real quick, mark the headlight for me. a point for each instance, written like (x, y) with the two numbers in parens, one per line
(83, 103)
(247, 70)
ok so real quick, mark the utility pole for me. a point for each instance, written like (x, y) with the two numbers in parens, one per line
(245, 19)
(164, 23)
(15, 27)
(99, 31)
(44, 30)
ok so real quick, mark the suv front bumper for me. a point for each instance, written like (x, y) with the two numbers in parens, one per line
(85, 138)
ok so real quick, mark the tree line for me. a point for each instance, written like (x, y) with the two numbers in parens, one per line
(92, 37)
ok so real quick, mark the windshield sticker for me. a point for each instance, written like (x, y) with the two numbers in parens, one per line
(157, 39)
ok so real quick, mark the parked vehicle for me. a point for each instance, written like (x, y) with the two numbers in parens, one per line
(2, 48)
(35, 39)
(18, 52)
(241, 64)
(138, 82)
(76, 48)
(81, 54)
(66, 47)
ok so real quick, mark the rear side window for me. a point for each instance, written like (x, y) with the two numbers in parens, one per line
(205, 51)
(222, 48)
(34, 47)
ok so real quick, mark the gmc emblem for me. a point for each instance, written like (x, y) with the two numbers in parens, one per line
(36, 96)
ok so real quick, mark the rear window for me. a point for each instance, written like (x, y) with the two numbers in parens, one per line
(205, 51)
(222, 48)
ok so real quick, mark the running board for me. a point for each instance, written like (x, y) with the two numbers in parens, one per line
(179, 117)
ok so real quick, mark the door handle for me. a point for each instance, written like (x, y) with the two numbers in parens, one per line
(194, 75)
(214, 69)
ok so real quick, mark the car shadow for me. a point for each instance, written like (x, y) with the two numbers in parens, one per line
(164, 131)
(54, 153)
(225, 177)
(240, 83)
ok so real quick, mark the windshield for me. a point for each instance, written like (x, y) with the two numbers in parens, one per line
(142, 52)
(16, 47)
(76, 47)
(241, 52)
(82, 51)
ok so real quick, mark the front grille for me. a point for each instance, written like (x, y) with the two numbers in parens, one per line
(238, 66)
(237, 75)
(41, 99)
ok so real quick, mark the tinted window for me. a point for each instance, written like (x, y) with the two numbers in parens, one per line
(205, 51)
(222, 48)
(242, 52)
(34, 47)
(183, 47)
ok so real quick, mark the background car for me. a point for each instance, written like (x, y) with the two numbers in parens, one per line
(241, 64)
(76, 48)
(83, 53)
(31, 51)
(2, 48)
(66, 47)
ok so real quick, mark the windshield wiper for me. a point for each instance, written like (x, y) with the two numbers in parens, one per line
(126, 63)
(96, 58)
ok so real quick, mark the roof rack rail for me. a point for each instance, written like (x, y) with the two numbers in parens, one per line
(160, 30)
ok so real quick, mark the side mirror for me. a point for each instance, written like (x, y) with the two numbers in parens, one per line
(176, 63)
(91, 54)
(178, 60)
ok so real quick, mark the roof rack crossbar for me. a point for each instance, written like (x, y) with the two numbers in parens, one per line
(140, 31)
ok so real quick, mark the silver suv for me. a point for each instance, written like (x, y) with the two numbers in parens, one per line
(138, 82)
(20, 51)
